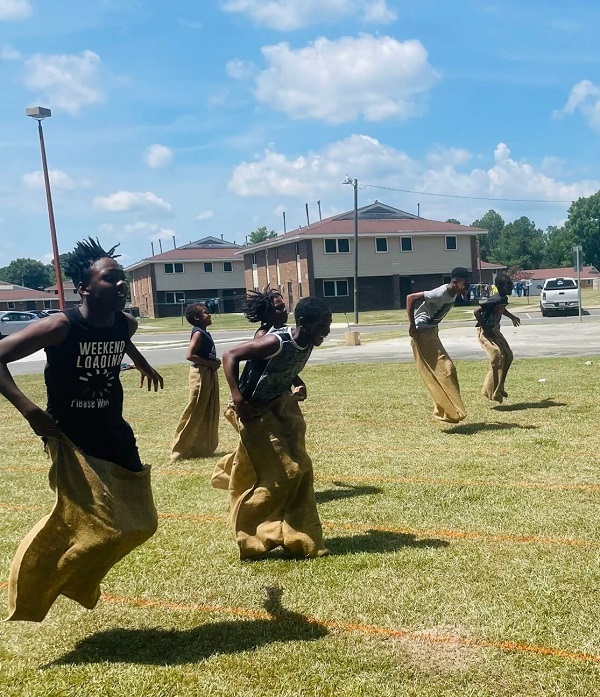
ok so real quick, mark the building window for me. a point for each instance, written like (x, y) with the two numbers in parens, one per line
(10, 305)
(297, 249)
(47, 304)
(174, 268)
(446, 279)
(174, 298)
(381, 245)
(227, 266)
(253, 258)
(335, 289)
(451, 243)
(406, 244)
(208, 267)
(337, 246)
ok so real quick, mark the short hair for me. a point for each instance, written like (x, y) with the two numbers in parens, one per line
(191, 310)
(77, 264)
(460, 272)
(311, 309)
(259, 303)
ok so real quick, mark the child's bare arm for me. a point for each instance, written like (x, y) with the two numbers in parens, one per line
(514, 319)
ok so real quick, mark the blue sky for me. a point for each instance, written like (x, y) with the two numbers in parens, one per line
(206, 118)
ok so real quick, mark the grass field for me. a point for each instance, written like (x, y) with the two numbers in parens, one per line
(465, 558)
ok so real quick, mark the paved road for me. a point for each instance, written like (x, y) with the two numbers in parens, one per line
(537, 337)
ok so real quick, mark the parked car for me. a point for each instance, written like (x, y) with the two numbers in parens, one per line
(12, 321)
(559, 295)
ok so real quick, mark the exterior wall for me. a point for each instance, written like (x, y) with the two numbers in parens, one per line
(142, 289)
(289, 272)
(194, 276)
(429, 255)
(228, 300)
(28, 305)
(149, 284)
(379, 292)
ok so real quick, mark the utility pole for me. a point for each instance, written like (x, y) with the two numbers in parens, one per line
(354, 183)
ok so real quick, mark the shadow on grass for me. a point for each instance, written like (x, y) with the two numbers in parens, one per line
(522, 406)
(486, 426)
(379, 541)
(348, 491)
(176, 647)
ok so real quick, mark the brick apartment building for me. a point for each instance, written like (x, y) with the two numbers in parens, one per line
(399, 253)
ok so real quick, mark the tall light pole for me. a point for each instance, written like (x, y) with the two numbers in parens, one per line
(39, 113)
(354, 183)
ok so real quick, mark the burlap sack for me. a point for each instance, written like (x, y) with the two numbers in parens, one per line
(270, 482)
(439, 375)
(197, 434)
(500, 357)
(101, 513)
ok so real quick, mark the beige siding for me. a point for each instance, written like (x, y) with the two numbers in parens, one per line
(429, 255)
(195, 278)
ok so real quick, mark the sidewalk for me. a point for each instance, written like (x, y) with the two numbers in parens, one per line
(566, 339)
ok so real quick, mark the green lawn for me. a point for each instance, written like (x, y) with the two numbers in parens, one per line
(465, 558)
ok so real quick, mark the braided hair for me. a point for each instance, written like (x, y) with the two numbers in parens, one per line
(259, 304)
(77, 264)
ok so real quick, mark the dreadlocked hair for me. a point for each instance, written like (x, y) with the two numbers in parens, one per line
(258, 304)
(76, 264)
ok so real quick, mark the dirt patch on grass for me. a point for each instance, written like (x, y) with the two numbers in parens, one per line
(441, 648)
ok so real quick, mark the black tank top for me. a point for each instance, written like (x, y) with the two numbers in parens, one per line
(82, 374)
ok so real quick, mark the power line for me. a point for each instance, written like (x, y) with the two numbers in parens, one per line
(472, 198)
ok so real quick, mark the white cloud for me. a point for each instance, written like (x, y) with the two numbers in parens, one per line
(320, 173)
(317, 172)
(205, 215)
(157, 156)
(151, 231)
(376, 78)
(131, 200)
(454, 156)
(585, 98)
(12, 10)
(240, 70)
(295, 14)
(9, 53)
(65, 82)
(58, 180)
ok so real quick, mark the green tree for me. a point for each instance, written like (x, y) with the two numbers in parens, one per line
(453, 220)
(520, 245)
(558, 247)
(584, 224)
(261, 234)
(50, 268)
(493, 223)
(26, 272)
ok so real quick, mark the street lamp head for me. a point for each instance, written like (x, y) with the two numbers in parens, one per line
(39, 113)
(348, 180)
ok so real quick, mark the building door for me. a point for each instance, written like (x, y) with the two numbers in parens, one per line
(405, 289)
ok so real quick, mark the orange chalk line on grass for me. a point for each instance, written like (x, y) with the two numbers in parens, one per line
(370, 629)
(435, 481)
(353, 527)
(373, 630)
